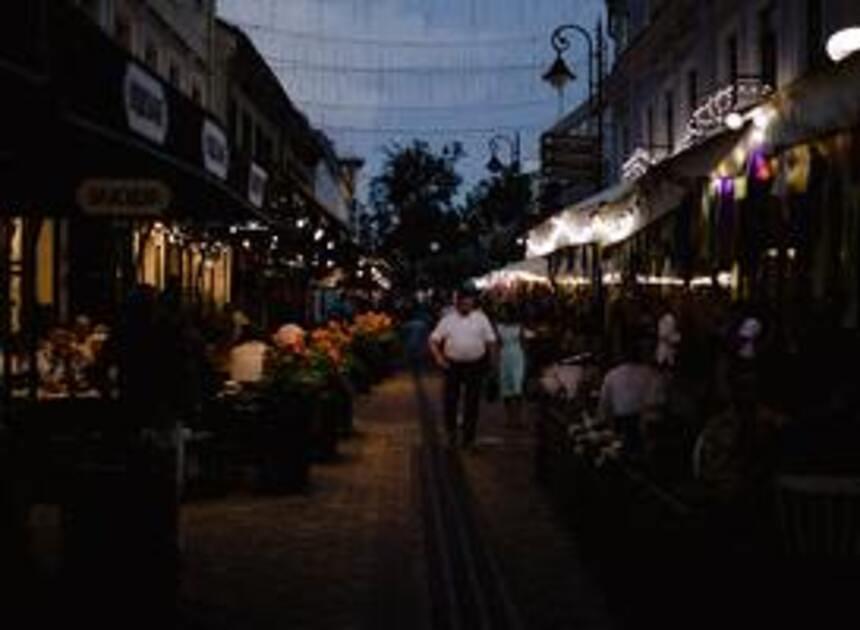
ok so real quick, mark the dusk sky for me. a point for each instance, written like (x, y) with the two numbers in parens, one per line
(374, 72)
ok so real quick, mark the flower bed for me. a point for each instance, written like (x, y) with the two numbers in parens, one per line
(322, 368)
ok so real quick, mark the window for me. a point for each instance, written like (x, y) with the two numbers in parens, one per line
(173, 74)
(732, 50)
(814, 33)
(122, 32)
(670, 121)
(767, 47)
(692, 90)
(247, 131)
(258, 143)
(150, 55)
(649, 128)
(233, 121)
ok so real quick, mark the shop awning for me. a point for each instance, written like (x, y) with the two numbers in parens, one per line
(817, 105)
(696, 162)
(528, 270)
(574, 226)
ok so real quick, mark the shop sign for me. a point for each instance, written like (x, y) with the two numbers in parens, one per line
(257, 185)
(570, 157)
(215, 149)
(123, 197)
(146, 107)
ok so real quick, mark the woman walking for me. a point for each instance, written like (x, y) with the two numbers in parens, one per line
(512, 364)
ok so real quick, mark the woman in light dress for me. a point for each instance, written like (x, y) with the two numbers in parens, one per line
(512, 363)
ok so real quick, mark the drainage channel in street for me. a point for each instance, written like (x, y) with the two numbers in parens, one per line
(467, 588)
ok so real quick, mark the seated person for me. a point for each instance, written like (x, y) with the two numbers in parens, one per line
(630, 391)
(734, 455)
(248, 357)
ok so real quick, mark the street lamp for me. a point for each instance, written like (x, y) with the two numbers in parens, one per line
(495, 165)
(560, 74)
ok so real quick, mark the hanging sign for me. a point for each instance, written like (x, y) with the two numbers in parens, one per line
(123, 197)
(257, 180)
(145, 101)
(215, 149)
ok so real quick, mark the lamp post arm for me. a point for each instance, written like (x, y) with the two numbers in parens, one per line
(561, 43)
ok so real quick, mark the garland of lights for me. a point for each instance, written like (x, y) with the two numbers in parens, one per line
(709, 117)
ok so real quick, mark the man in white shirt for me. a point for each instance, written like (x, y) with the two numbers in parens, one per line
(462, 344)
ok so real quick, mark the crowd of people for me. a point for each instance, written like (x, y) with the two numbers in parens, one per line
(692, 385)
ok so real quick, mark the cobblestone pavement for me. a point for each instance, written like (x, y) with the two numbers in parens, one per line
(538, 556)
(351, 554)
(347, 555)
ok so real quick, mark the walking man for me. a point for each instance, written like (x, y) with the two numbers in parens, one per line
(463, 344)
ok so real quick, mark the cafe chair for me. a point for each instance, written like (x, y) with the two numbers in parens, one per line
(820, 517)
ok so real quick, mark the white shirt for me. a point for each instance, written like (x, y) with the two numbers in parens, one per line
(246, 362)
(629, 389)
(464, 338)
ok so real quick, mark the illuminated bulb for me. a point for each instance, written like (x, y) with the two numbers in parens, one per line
(792, 253)
(319, 234)
(434, 247)
(360, 273)
(233, 229)
(301, 223)
(330, 264)
(844, 43)
(246, 244)
(734, 121)
(330, 245)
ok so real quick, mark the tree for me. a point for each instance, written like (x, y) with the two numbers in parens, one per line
(414, 202)
(497, 209)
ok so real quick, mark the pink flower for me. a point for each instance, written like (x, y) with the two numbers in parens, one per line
(290, 338)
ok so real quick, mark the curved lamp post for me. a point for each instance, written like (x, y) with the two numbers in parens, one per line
(560, 73)
(495, 165)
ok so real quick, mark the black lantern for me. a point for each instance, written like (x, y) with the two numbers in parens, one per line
(559, 73)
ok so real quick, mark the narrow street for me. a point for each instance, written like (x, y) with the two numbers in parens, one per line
(399, 533)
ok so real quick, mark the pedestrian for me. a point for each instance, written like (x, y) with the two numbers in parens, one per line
(463, 345)
(512, 363)
(416, 328)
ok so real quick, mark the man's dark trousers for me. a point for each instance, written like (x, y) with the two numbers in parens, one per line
(463, 378)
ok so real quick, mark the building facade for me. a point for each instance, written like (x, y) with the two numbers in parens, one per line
(674, 57)
(175, 39)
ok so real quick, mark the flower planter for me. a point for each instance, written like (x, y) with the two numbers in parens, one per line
(284, 450)
(326, 427)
